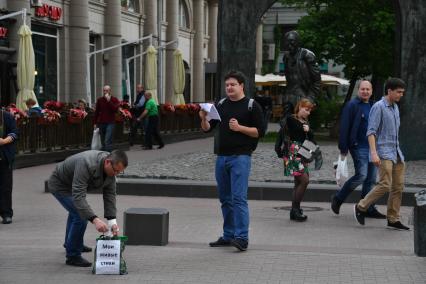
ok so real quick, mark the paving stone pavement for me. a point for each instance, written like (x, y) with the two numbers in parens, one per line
(325, 249)
(198, 164)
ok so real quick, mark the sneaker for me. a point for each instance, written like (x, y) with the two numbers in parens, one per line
(398, 226)
(375, 214)
(161, 146)
(240, 244)
(7, 220)
(335, 204)
(77, 261)
(221, 242)
(359, 215)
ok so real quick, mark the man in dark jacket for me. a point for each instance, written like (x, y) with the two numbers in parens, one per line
(8, 137)
(353, 139)
(137, 110)
(70, 182)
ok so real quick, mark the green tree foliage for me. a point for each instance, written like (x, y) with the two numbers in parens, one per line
(357, 33)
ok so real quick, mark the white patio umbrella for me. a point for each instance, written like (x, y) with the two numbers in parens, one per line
(26, 68)
(178, 78)
(151, 72)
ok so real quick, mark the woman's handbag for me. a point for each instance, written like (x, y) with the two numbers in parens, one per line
(308, 151)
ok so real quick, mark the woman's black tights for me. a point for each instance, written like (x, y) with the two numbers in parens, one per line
(300, 185)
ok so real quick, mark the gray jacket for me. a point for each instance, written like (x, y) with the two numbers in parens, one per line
(81, 173)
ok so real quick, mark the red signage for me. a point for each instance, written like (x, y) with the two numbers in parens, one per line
(3, 32)
(54, 13)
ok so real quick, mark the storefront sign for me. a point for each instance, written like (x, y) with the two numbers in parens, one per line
(54, 13)
(3, 32)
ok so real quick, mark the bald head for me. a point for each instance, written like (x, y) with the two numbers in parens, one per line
(365, 90)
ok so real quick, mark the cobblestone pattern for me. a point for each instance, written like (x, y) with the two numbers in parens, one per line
(266, 167)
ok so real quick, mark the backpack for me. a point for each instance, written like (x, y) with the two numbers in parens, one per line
(249, 106)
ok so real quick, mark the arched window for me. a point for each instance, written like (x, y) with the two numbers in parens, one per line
(183, 15)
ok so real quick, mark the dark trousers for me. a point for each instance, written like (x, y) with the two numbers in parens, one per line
(6, 183)
(135, 125)
(153, 131)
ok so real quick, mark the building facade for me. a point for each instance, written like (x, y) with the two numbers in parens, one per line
(65, 32)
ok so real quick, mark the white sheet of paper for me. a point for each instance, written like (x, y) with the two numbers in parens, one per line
(211, 110)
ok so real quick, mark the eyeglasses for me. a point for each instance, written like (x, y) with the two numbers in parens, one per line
(117, 172)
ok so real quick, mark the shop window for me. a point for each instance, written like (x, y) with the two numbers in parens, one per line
(46, 63)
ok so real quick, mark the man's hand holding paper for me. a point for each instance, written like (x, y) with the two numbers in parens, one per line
(211, 110)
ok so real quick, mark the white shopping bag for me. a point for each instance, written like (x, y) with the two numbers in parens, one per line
(107, 257)
(342, 173)
(96, 140)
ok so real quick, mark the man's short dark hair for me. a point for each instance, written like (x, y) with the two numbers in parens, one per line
(237, 75)
(393, 84)
(118, 156)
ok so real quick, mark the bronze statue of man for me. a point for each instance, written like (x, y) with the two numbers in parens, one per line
(301, 70)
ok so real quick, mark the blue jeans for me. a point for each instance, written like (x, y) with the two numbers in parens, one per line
(106, 131)
(365, 174)
(76, 227)
(232, 174)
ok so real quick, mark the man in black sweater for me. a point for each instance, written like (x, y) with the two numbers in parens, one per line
(236, 138)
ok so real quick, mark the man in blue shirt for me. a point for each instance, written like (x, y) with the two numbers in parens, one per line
(353, 139)
(385, 153)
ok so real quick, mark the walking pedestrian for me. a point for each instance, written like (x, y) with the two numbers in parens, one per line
(237, 136)
(353, 139)
(137, 110)
(151, 114)
(292, 136)
(385, 153)
(106, 108)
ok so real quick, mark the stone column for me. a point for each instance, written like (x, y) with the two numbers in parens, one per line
(78, 48)
(113, 67)
(411, 28)
(151, 11)
(171, 34)
(213, 10)
(198, 60)
(14, 6)
(259, 49)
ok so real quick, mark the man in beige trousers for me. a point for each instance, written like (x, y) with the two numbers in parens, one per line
(385, 153)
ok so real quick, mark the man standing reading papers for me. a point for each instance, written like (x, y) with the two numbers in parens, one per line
(236, 138)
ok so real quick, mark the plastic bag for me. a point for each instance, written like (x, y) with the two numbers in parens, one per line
(342, 173)
(96, 140)
(109, 255)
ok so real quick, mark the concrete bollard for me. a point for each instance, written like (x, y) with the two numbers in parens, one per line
(420, 224)
(147, 226)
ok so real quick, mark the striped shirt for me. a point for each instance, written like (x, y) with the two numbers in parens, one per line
(384, 122)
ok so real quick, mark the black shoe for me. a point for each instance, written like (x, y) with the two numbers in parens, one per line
(335, 204)
(77, 261)
(146, 148)
(398, 226)
(359, 215)
(375, 214)
(221, 242)
(297, 215)
(240, 244)
(7, 220)
(85, 248)
(161, 146)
